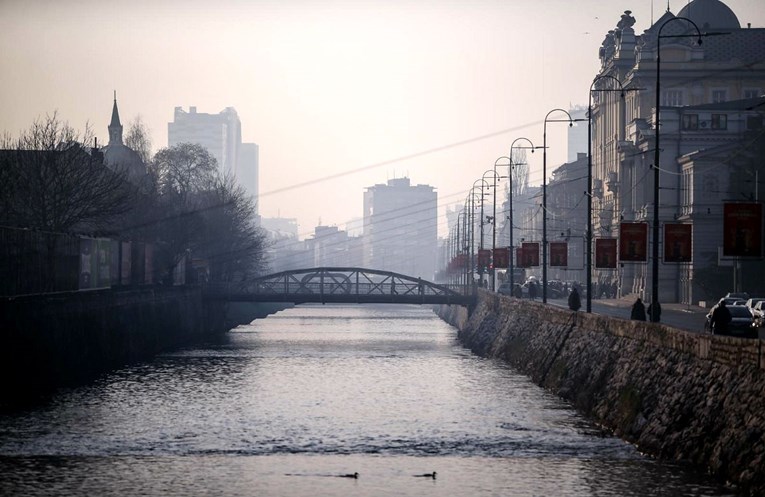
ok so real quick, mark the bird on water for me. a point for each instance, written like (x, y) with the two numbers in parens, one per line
(427, 475)
(355, 476)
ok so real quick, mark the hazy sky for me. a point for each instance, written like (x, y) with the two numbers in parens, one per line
(324, 87)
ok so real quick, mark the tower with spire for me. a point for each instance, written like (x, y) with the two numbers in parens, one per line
(117, 155)
(115, 127)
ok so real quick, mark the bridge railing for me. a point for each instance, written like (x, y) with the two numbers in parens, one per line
(362, 284)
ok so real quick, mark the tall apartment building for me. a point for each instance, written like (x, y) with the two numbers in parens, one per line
(221, 135)
(401, 228)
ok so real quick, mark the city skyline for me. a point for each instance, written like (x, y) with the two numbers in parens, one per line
(338, 96)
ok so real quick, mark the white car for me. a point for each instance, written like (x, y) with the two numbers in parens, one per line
(759, 313)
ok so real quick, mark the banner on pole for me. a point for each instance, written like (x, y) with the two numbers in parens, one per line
(678, 245)
(530, 254)
(558, 254)
(484, 258)
(633, 242)
(605, 253)
(501, 258)
(742, 229)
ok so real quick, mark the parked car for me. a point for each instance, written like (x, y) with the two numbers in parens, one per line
(742, 322)
(505, 289)
(740, 296)
(753, 301)
(730, 301)
(759, 313)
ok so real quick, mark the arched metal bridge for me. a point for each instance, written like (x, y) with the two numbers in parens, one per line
(337, 285)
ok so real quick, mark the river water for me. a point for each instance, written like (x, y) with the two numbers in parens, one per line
(287, 405)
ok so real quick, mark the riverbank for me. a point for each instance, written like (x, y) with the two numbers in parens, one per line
(674, 394)
(54, 340)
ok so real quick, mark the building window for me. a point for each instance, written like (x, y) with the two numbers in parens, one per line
(752, 93)
(690, 122)
(672, 98)
(719, 121)
(719, 95)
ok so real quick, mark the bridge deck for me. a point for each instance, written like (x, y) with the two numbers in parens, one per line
(338, 285)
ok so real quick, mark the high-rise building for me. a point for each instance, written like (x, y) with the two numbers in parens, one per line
(221, 135)
(248, 169)
(401, 229)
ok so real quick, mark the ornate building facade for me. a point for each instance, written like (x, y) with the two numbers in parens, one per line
(711, 125)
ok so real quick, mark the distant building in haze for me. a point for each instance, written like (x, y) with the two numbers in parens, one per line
(400, 228)
(221, 135)
(577, 134)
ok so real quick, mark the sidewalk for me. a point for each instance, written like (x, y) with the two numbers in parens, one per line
(683, 316)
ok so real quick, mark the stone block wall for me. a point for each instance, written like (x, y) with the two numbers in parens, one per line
(674, 394)
(59, 339)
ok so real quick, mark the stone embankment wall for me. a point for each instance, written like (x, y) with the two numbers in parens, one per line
(59, 339)
(674, 394)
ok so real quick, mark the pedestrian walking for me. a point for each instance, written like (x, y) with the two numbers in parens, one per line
(638, 310)
(574, 302)
(650, 312)
(532, 290)
(720, 319)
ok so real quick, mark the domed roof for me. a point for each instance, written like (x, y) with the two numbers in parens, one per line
(710, 14)
(122, 158)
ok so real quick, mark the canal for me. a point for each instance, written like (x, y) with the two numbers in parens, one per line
(287, 405)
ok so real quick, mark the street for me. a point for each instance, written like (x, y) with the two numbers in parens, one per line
(682, 316)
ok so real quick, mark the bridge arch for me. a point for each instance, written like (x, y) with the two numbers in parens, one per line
(337, 285)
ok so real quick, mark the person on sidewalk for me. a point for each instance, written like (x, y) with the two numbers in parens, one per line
(574, 302)
(658, 312)
(720, 319)
(638, 310)
(532, 290)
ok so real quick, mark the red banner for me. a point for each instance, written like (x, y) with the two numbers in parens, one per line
(633, 242)
(459, 262)
(484, 258)
(519, 257)
(677, 242)
(501, 258)
(558, 254)
(530, 254)
(742, 230)
(605, 253)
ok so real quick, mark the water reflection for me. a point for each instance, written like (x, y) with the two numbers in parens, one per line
(316, 391)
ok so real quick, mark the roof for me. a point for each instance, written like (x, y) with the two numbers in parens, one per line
(710, 14)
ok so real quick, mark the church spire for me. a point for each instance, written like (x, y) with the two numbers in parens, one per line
(115, 127)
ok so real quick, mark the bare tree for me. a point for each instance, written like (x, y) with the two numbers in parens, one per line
(233, 244)
(183, 176)
(184, 169)
(53, 182)
(138, 138)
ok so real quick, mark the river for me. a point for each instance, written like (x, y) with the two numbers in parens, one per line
(289, 404)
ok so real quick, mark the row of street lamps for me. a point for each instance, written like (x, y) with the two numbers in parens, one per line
(470, 238)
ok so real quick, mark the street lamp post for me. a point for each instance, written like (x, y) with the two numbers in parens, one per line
(510, 206)
(494, 224)
(589, 180)
(493, 218)
(656, 163)
(570, 122)
(472, 195)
